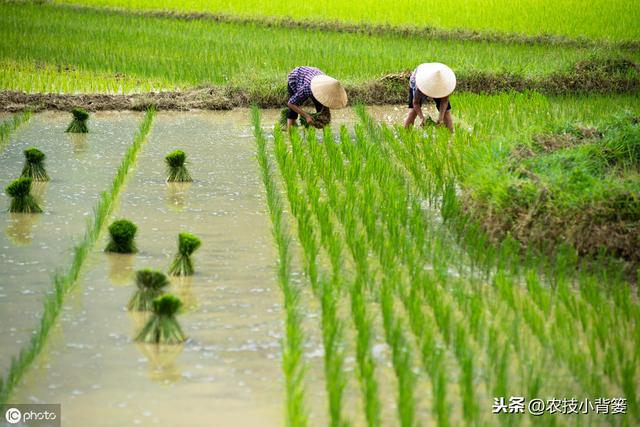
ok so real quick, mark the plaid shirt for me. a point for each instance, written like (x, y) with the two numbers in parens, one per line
(300, 83)
(417, 94)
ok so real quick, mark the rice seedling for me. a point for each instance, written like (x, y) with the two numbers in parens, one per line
(122, 233)
(34, 165)
(8, 126)
(293, 364)
(182, 264)
(176, 170)
(320, 119)
(79, 122)
(21, 199)
(150, 284)
(163, 327)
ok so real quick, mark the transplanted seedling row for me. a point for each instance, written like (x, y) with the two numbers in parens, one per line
(498, 323)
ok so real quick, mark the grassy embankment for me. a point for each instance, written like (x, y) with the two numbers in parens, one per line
(71, 50)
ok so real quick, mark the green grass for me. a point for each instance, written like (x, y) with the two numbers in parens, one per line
(599, 19)
(98, 48)
(64, 281)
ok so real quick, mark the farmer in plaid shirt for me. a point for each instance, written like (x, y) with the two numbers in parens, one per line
(310, 82)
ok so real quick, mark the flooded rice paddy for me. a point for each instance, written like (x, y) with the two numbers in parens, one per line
(229, 370)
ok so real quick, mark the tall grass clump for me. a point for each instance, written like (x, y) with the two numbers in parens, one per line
(293, 343)
(21, 199)
(63, 281)
(34, 165)
(150, 284)
(163, 327)
(122, 233)
(79, 122)
(176, 170)
(182, 264)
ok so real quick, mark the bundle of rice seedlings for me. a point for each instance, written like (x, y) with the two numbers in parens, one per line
(283, 118)
(34, 165)
(150, 284)
(162, 327)
(320, 119)
(79, 122)
(22, 200)
(122, 233)
(176, 170)
(182, 265)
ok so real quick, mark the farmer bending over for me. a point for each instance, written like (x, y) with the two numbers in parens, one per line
(435, 81)
(325, 92)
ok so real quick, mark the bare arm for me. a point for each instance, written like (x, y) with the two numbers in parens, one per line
(300, 111)
(444, 103)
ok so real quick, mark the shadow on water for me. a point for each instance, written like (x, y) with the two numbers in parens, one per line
(177, 195)
(20, 228)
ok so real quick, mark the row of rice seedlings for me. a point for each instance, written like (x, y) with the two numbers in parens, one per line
(7, 127)
(544, 17)
(63, 282)
(360, 316)
(581, 315)
(328, 291)
(230, 46)
(292, 358)
(393, 332)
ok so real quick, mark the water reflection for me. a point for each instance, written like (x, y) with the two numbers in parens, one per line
(120, 268)
(79, 141)
(177, 194)
(162, 361)
(20, 228)
(38, 188)
(183, 289)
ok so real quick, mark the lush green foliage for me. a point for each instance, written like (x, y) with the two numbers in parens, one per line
(601, 19)
(176, 53)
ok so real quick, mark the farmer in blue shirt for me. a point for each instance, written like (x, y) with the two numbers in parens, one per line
(431, 81)
(310, 82)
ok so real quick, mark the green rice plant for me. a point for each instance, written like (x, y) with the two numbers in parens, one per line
(34, 165)
(163, 327)
(292, 358)
(182, 264)
(150, 284)
(7, 127)
(528, 17)
(79, 122)
(21, 199)
(63, 281)
(320, 119)
(122, 233)
(176, 170)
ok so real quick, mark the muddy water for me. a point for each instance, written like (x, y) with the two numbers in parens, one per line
(228, 372)
(32, 246)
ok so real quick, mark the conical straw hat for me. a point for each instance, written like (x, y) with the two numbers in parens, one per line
(329, 92)
(435, 80)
